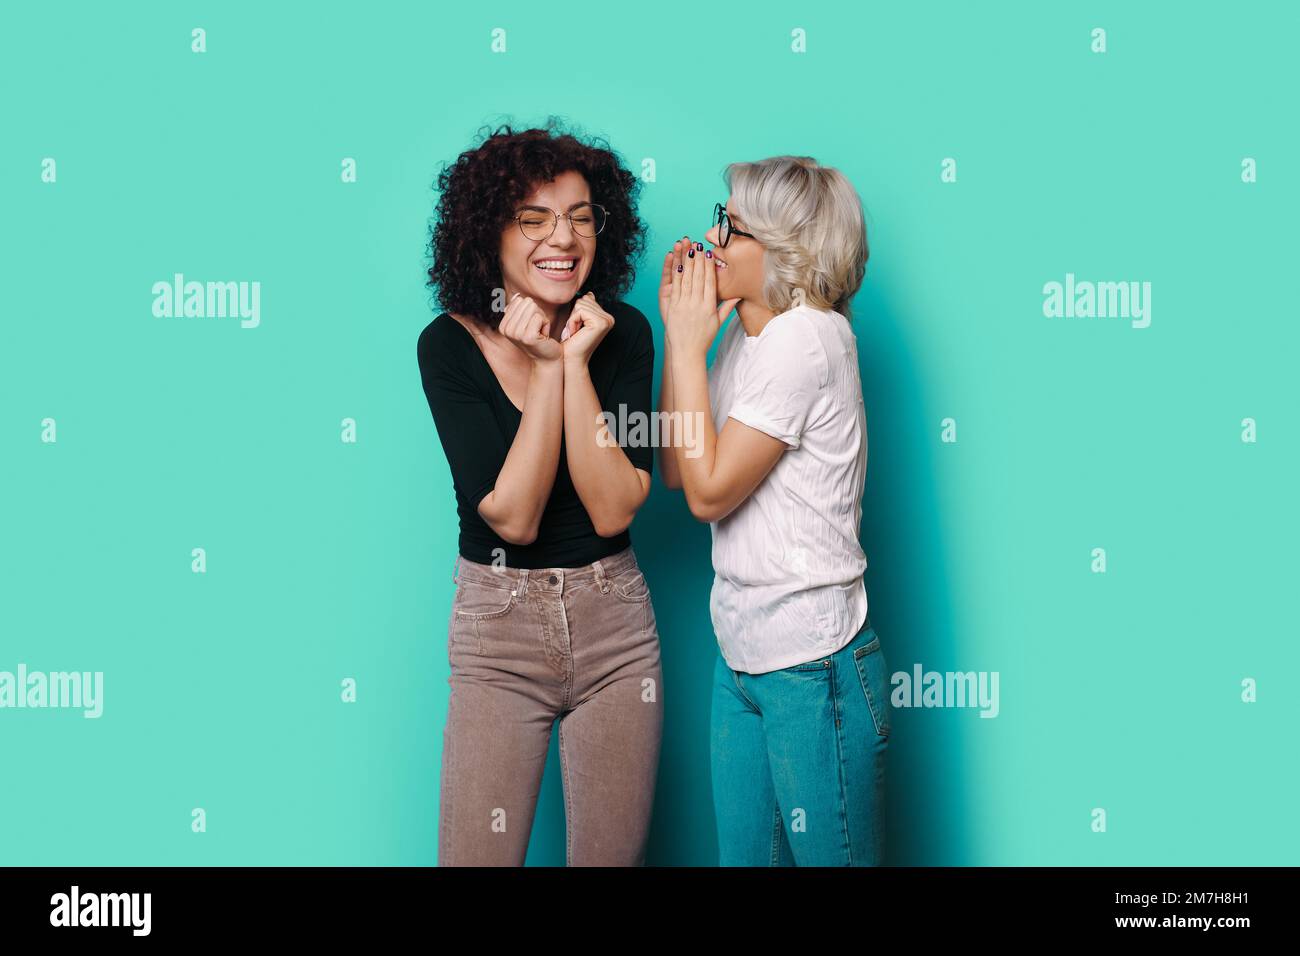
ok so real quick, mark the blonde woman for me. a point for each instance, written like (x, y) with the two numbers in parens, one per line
(800, 712)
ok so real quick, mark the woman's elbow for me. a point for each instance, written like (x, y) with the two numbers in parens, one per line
(609, 527)
(521, 539)
(703, 510)
(517, 534)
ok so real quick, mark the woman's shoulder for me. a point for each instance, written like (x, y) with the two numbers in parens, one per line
(796, 340)
(795, 322)
(803, 324)
(441, 341)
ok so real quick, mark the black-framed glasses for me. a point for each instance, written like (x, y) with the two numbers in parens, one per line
(725, 229)
(537, 223)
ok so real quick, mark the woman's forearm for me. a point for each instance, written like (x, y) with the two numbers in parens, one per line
(608, 484)
(514, 506)
(690, 391)
(719, 469)
(668, 435)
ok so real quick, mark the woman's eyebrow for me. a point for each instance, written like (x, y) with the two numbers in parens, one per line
(585, 202)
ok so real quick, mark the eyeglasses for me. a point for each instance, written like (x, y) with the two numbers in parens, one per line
(586, 219)
(725, 229)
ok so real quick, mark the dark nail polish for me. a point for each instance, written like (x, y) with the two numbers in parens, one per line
(679, 268)
(699, 246)
(691, 254)
(709, 254)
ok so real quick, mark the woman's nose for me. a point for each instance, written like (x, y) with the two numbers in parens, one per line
(559, 238)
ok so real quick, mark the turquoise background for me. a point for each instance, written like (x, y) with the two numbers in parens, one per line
(325, 560)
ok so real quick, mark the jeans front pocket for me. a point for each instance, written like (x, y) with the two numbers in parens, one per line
(873, 673)
(631, 586)
(475, 603)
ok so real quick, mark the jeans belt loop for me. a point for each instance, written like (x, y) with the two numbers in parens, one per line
(523, 583)
(600, 577)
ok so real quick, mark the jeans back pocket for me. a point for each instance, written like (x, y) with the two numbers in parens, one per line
(874, 676)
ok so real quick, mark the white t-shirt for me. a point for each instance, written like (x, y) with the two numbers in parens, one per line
(788, 584)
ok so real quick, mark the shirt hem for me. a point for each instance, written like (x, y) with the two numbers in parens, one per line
(792, 660)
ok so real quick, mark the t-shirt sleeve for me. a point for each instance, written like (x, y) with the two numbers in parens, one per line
(782, 377)
(633, 382)
(467, 428)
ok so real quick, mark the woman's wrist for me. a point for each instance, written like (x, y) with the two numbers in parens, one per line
(548, 367)
(575, 366)
(679, 358)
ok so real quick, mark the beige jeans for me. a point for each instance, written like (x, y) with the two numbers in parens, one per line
(528, 647)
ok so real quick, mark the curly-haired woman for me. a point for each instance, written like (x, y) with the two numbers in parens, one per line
(800, 714)
(536, 237)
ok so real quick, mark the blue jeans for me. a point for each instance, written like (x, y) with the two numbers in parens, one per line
(798, 759)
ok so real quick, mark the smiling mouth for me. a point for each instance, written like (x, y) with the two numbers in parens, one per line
(558, 269)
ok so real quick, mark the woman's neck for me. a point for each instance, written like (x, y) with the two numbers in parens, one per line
(754, 316)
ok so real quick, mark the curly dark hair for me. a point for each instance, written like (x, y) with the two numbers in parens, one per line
(482, 188)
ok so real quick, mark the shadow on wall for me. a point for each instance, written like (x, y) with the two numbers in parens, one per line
(907, 585)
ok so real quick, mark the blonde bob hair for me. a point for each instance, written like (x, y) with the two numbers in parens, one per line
(810, 222)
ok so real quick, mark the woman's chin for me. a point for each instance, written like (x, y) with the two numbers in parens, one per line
(554, 295)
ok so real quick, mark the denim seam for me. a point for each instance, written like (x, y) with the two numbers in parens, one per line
(446, 832)
(568, 656)
(735, 679)
(545, 620)
(451, 637)
(776, 833)
(568, 806)
(839, 763)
